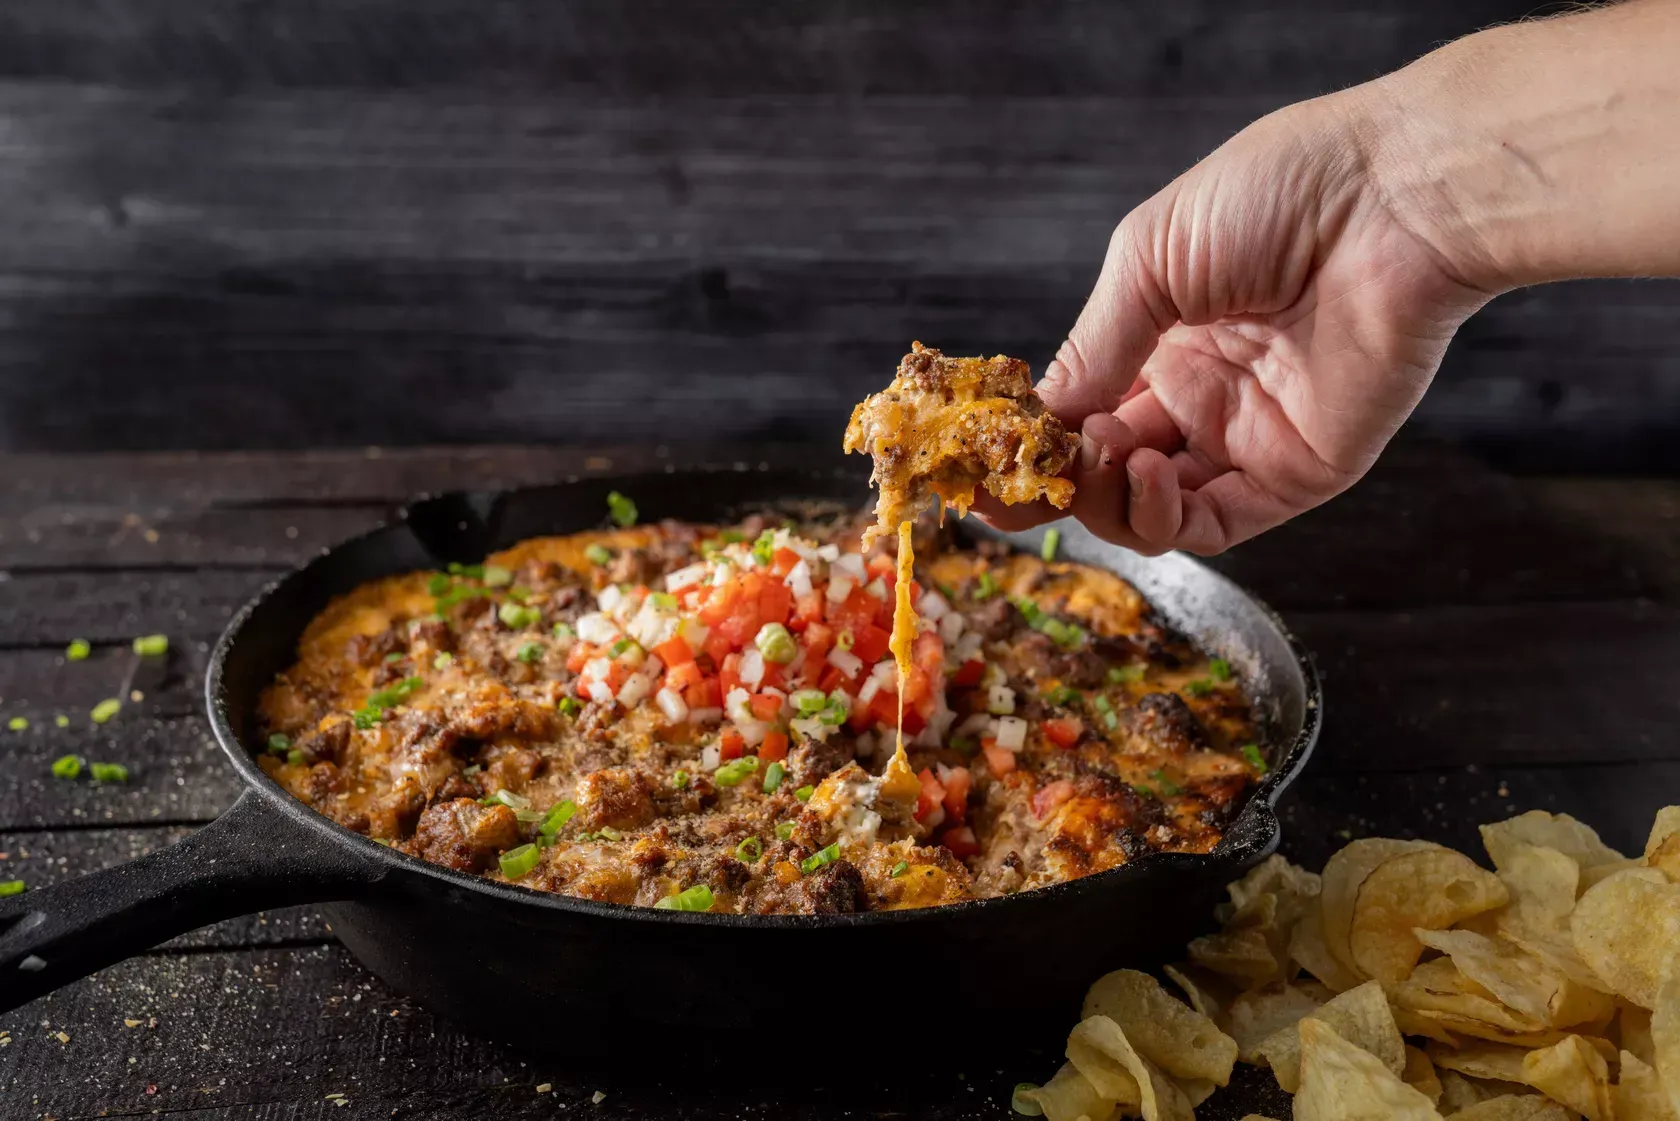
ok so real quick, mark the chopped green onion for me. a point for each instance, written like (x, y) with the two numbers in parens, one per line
(527, 817)
(279, 742)
(18, 723)
(1164, 784)
(1030, 610)
(1052, 539)
(152, 644)
(11, 887)
(506, 798)
(1118, 675)
(495, 576)
(558, 816)
(899, 869)
(77, 651)
(773, 776)
(67, 766)
(988, 586)
(1200, 687)
(608, 833)
(1219, 669)
(598, 555)
(1111, 719)
(109, 772)
(470, 571)
(294, 757)
(825, 855)
(570, 706)
(1251, 752)
(622, 645)
(764, 547)
(809, 701)
(733, 772)
(519, 594)
(443, 660)
(104, 710)
(665, 601)
(438, 584)
(61, 721)
(776, 644)
(393, 658)
(844, 640)
(458, 594)
(518, 861)
(563, 630)
(1061, 695)
(622, 510)
(530, 652)
(1067, 635)
(365, 718)
(784, 830)
(518, 617)
(680, 780)
(1025, 1106)
(732, 537)
(804, 793)
(696, 898)
(1143, 790)
(749, 851)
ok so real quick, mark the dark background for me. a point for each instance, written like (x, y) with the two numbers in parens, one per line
(265, 225)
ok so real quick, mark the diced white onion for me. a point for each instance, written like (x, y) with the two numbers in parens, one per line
(839, 587)
(634, 655)
(870, 688)
(599, 691)
(736, 706)
(967, 648)
(653, 666)
(829, 553)
(936, 818)
(811, 728)
(1011, 733)
(705, 715)
(752, 666)
(885, 671)
(693, 632)
(932, 606)
(799, 580)
(845, 661)
(672, 705)
(598, 668)
(1000, 699)
(635, 690)
(710, 756)
(792, 668)
(684, 577)
(852, 565)
(609, 597)
(951, 627)
(927, 737)
(978, 724)
(752, 731)
(596, 628)
(877, 588)
(942, 773)
(723, 574)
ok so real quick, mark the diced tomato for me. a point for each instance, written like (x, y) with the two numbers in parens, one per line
(857, 610)
(884, 616)
(731, 745)
(861, 717)
(717, 647)
(917, 687)
(819, 640)
(807, 611)
(729, 674)
(774, 748)
(618, 674)
(870, 643)
(831, 678)
(706, 693)
(775, 604)
(683, 675)
(579, 656)
(882, 565)
(1064, 731)
(958, 782)
(1049, 799)
(765, 706)
(914, 722)
(932, 795)
(741, 626)
(782, 561)
(961, 841)
(1000, 761)
(719, 605)
(674, 651)
(969, 673)
(883, 706)
(928, 651)
(775, 677)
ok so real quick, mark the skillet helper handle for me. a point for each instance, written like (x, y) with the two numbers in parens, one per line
(249, 859)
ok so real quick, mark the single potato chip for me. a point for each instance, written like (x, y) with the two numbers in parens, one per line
(1259, 1014)
(1091, 1049)
(1633, 1029)
(1438, 985)
(1420, 1075)
(1308, 950)
(1514, 1107)
(1557, 831)
(1166, 1031)
(1501, 1064)
(1198, 1090)
(1665, 1032)
(1070, 1096)
(1638, 1094)
(1626, 929)
(1341, 1082)
(1275, 876)
(1459, 1092)
(1097, 1045)
(1574, 1073)
(1662, 848)
(1519, 979)
(1344, 875)
(1454, 1029)
(1434, 888)
(1244, 955)
(1598, 872)
(1360, 1016)
(1208, 993)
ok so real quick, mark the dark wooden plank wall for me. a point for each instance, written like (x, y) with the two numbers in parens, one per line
(402, 221)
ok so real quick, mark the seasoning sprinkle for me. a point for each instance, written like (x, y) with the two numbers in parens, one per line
(152, 645)
(77, 651)
(104, 710)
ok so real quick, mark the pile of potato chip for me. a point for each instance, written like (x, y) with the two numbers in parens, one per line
(1408, 982)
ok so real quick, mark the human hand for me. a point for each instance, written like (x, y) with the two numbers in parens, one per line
(1259, 331)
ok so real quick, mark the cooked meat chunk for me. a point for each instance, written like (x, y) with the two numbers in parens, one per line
(1165, 719)
(947, 425)
(619, 798)
(464, 835)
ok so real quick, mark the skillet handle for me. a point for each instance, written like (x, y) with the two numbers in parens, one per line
(249, 859)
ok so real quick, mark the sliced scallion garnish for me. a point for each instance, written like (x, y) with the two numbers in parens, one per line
(784, 830)
(516, 862)
(696, 898)
(11, 887)
(1052, 539)
(152, 645)
(67, 766)
(749, 851)
(495, 576)
(108, 772)
(1251, 752)
(899, 869)
(622, 510)
(598, 555)
(77, 651)
(558, 816)
(804, 793)
(776, 644)
(735, 771)
(104, 710)
(773, 776)
(828, 854)
(530, 652)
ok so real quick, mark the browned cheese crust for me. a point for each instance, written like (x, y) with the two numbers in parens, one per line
(492, 706)
(947, 425)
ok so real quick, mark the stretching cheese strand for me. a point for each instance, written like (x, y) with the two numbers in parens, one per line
(899, 781)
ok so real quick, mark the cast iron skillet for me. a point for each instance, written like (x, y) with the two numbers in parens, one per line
(559, 972)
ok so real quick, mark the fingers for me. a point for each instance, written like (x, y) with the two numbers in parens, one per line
(1115, 332)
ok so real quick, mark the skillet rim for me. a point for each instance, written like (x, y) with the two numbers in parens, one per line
(1258, 815)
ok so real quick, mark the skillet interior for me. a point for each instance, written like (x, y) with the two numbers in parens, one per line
(444, 936)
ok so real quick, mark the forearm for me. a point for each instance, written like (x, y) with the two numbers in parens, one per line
(1538, 151)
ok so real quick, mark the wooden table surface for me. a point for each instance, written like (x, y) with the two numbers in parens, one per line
(1488, 645)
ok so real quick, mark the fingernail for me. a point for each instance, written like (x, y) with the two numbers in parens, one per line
(1090, 454)
(1134, 482)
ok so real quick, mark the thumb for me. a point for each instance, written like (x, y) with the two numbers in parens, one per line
(1119, 326)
